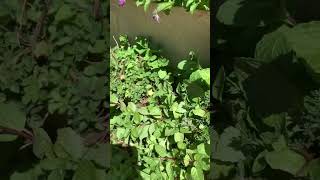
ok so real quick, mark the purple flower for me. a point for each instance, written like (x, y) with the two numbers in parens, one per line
(121, 2)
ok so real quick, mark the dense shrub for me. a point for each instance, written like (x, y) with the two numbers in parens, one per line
(162, 113)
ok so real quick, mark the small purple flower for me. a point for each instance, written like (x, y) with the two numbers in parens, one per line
(156, 17)
(121, 2)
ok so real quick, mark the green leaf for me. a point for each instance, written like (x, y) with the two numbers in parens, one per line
(65, 12)
(178, 137)
(218, 84)
(55, 163)
(42, 144)
(259, 163)
(199, 112)
(304, 39)
(313, 169)
(99, 155)
(69, 144)
(243, 13)
(197, 174)
(201, 74)
(85, 171)
(162, 74)
(201, 148)
(132, 107)
(165, 6)
(193, 7)
(11, 116)
(56, 175)
(273, 45)
(160, 150)
(113, 100)
(42, 49)
(181, 145)
(285, 160)
(146, 5)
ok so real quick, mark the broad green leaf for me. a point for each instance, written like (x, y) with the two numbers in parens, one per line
(273, 45)
(162, 74)
(244, 13)
(85, 171)
(42, 144)
(199, 112)
(304, 40)
(69, 144)
(197, 174)
(160, 150)
(55, 164)
(65, 12)
(313, 169)
(132, 107)
(178, 137)
(11, 116)
(202, 74)
(259, 163)
(285, 160)
(98, 154)
(201, 148)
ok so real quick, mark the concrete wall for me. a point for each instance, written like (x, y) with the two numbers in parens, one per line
(177, 34)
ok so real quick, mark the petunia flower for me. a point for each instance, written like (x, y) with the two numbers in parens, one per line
(121, 2)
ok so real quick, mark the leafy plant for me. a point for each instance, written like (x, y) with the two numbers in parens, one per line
(53, 57)
(160, 113)
(266, 109)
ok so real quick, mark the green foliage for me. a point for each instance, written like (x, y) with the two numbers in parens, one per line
(167, 5)
(154, 110)
(53, 89)
(267, 91)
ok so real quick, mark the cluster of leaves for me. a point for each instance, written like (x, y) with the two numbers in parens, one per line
(167, 5)
(266, 90)
(53, 103)
(163, 115)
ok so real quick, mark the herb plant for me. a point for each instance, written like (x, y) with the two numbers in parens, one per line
(162, 113)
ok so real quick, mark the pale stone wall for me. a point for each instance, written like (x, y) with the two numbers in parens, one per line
(177, 34)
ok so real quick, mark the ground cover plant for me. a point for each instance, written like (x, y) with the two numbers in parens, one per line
(266, 90)
(53, 98)
(162, 113)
